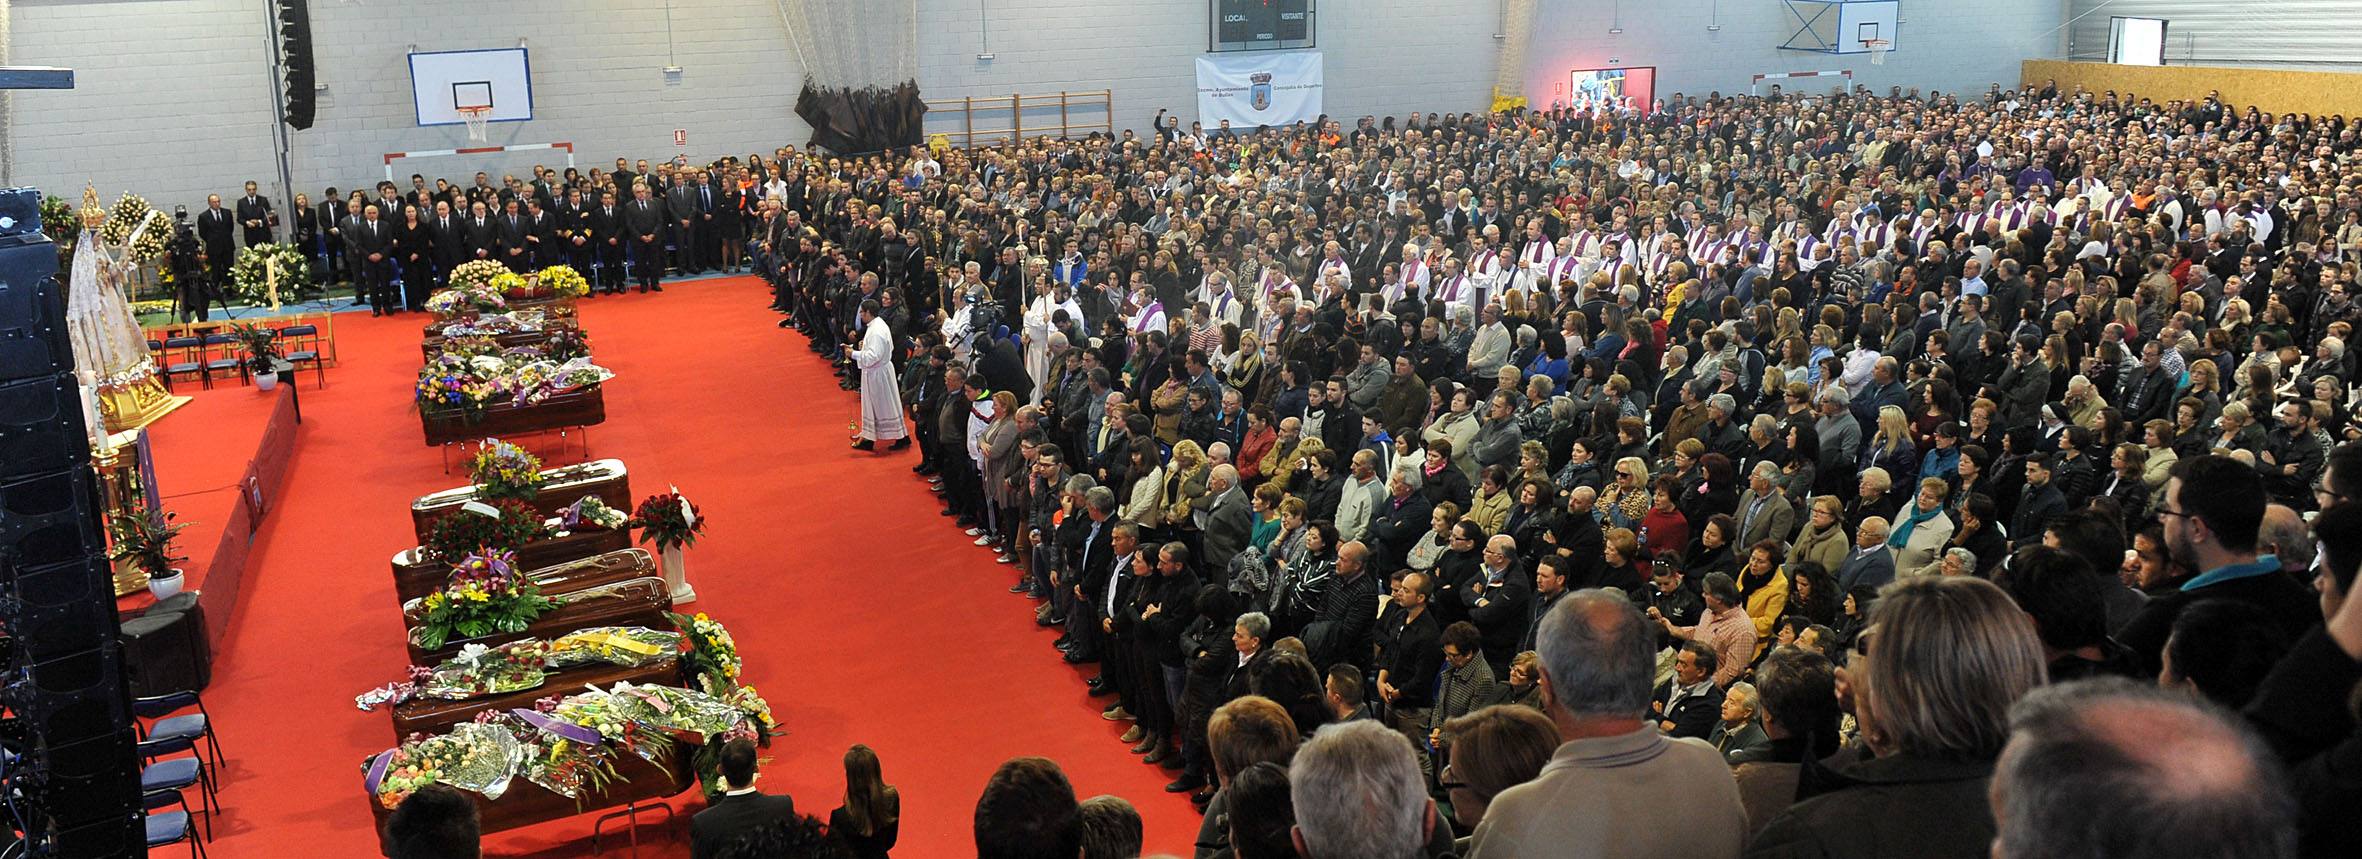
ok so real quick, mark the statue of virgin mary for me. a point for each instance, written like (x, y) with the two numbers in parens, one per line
(110, 353)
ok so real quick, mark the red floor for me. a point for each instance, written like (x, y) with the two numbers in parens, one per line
(863, 616)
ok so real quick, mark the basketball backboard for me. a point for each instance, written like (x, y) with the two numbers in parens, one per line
(1843, 26)
(446, 83)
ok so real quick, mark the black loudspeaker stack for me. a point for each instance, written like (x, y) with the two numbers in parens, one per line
(69, 762)
(295, 55)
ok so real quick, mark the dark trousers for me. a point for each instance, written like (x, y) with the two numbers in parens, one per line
(376, 281)
(685, 246)
(609, 270)
(647, 262)
(1155, 712)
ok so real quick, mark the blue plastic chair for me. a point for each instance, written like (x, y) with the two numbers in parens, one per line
(310, 335)
(169, 733)
(173, 827)
(188, 360)
(224, 360)
(161, 783)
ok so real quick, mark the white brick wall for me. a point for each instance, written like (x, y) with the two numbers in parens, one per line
(171, 98)
(174, 96)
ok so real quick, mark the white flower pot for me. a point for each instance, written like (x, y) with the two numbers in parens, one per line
(676, 575)
(266, 381)
(165, 587)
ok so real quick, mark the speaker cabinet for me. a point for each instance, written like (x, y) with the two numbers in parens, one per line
(166, 652)
(41, 428)
(50, 519)
(33, 338)
(64, 700)
(58, 609)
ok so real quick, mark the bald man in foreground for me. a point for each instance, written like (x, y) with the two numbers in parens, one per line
(2112, 768)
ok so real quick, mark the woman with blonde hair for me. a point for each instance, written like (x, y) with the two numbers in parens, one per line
(871, 818)
(1627, 499)
(1891, 447)
(1932, 680)
(1185, 484)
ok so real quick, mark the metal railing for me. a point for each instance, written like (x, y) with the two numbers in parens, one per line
(972, 121)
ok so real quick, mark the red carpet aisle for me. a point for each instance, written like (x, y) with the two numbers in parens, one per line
(864, 617)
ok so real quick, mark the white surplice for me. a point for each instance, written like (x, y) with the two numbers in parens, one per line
(881, 392)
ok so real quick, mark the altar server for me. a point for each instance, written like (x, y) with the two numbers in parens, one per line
(881, 403)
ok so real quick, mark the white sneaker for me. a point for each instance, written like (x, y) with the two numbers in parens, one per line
(975, 532)
(984, 541)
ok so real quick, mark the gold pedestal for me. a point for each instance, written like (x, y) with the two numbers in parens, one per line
(137, 401)
(124, 492)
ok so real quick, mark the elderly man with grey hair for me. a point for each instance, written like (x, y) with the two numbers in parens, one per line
(1617, 787)
(1870, 564)
(1765, 512)
(1358, 795)
(1841, 436)
(1224, 518)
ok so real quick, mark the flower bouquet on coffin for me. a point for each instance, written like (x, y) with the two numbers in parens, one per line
(567, 758)
(672, 524)
(488, 528)
(563, 281)
(477, 757)
(477, 672)
(614, 719)
(503, 470)
(486, 595)
(589, 513)
(628, 646)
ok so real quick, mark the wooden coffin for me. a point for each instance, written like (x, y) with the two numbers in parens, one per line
(435, 716)
(560, 487)
(585, 602)
(525, 803)
(432, 344)
(415, 577)
(547, 302)
(578, 408)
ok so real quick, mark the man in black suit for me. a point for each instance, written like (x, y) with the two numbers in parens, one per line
(483, 237)
(254, 214)
(371, 246)
(573, 244)
(344, 239)
(1689, 704)
(450, 235)
(330, 211)
(644, 220)
(216, 229)
(684, 202)
(515, 236)
(541, 235)
(603, 226)
(740, 809)
(436, 822)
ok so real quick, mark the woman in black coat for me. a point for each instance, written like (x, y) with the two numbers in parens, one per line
(414, 253)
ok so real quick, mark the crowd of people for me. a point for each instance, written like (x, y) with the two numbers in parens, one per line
(632, 225)
(1805, 475)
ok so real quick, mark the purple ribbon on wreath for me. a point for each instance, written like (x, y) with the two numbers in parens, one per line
(568, 730)
(377, 768)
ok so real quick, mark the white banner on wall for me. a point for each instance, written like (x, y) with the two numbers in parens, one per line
(1254, 88)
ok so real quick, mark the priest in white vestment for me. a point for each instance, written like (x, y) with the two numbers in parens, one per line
(881, 392)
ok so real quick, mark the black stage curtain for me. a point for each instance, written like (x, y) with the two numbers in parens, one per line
(869, 119)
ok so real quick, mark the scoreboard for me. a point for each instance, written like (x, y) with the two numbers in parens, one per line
(1256, 25)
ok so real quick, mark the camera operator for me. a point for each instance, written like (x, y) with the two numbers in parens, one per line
(191, 287)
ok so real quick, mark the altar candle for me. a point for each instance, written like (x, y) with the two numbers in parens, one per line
(91, 425)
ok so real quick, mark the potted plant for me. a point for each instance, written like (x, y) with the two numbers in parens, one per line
(145, 537)
(261, 345)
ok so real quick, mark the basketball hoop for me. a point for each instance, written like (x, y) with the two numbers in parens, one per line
(478, 119)
(1879, 48)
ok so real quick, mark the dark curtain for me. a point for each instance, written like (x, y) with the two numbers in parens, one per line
(869, 119)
